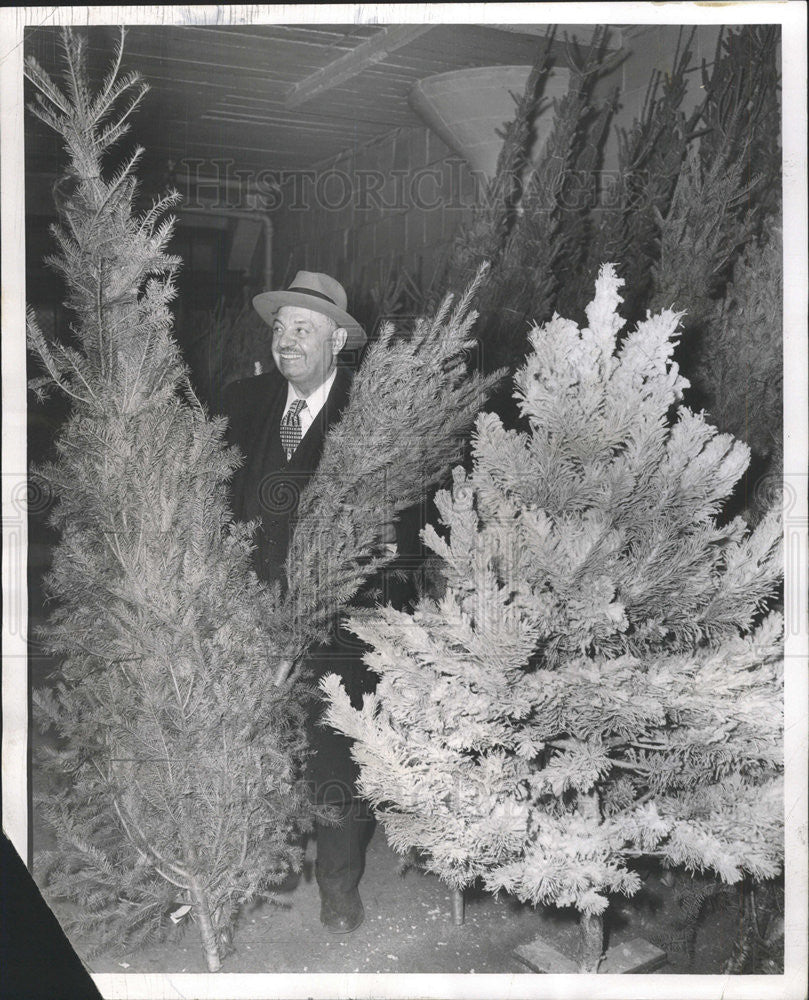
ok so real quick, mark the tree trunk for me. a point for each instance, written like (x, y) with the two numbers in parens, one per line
(210, 945)
(202, 911)
(591, 928)
(591, 942)
(457, 907)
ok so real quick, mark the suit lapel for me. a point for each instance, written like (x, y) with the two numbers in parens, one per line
(307, 454)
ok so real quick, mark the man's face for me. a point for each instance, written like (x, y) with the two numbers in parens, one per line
(304, 346)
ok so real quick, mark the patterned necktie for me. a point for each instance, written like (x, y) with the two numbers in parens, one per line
(291, 427)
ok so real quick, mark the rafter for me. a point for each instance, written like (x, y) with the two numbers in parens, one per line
(373, 50)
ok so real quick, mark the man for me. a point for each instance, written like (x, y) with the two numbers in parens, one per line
(279, 421)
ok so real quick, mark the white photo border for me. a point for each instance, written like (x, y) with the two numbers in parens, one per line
(792, 17)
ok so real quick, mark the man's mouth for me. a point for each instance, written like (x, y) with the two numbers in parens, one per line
(289, 355)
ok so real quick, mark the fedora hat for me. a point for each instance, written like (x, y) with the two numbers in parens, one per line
(317, 292)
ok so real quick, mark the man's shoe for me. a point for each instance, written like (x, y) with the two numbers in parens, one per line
(342, 912)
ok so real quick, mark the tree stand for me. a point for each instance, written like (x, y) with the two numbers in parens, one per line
(635, 956)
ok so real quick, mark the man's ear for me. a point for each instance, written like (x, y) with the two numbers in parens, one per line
(338, 339)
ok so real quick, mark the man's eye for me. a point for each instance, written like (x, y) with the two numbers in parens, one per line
(297, 330)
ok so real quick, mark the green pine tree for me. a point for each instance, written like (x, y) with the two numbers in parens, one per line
(650, 156)
(741, 367)
(177, 762)
(532, 225)
(597, 682)
(694, 191)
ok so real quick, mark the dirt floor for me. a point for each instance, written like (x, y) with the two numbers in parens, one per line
(408, 928)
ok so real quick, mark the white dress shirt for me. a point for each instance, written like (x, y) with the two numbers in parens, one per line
(315, 402)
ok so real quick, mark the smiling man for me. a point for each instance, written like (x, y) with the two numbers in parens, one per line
(279, 421)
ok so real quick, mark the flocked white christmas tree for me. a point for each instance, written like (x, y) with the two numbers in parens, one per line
(601, 679)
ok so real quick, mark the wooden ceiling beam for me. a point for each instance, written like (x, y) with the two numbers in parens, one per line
(365, 54)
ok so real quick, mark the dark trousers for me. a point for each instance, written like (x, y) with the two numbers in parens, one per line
(332, 773)
(341, 850)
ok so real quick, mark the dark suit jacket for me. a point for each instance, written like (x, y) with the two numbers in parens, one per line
(267, 486)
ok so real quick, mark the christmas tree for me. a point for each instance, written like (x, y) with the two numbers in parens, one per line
(180, 759)
(176, 788)
(412, 404)
(532, 224)
(742, 367)
(650, 155)
(598, 681)
(718, 253)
